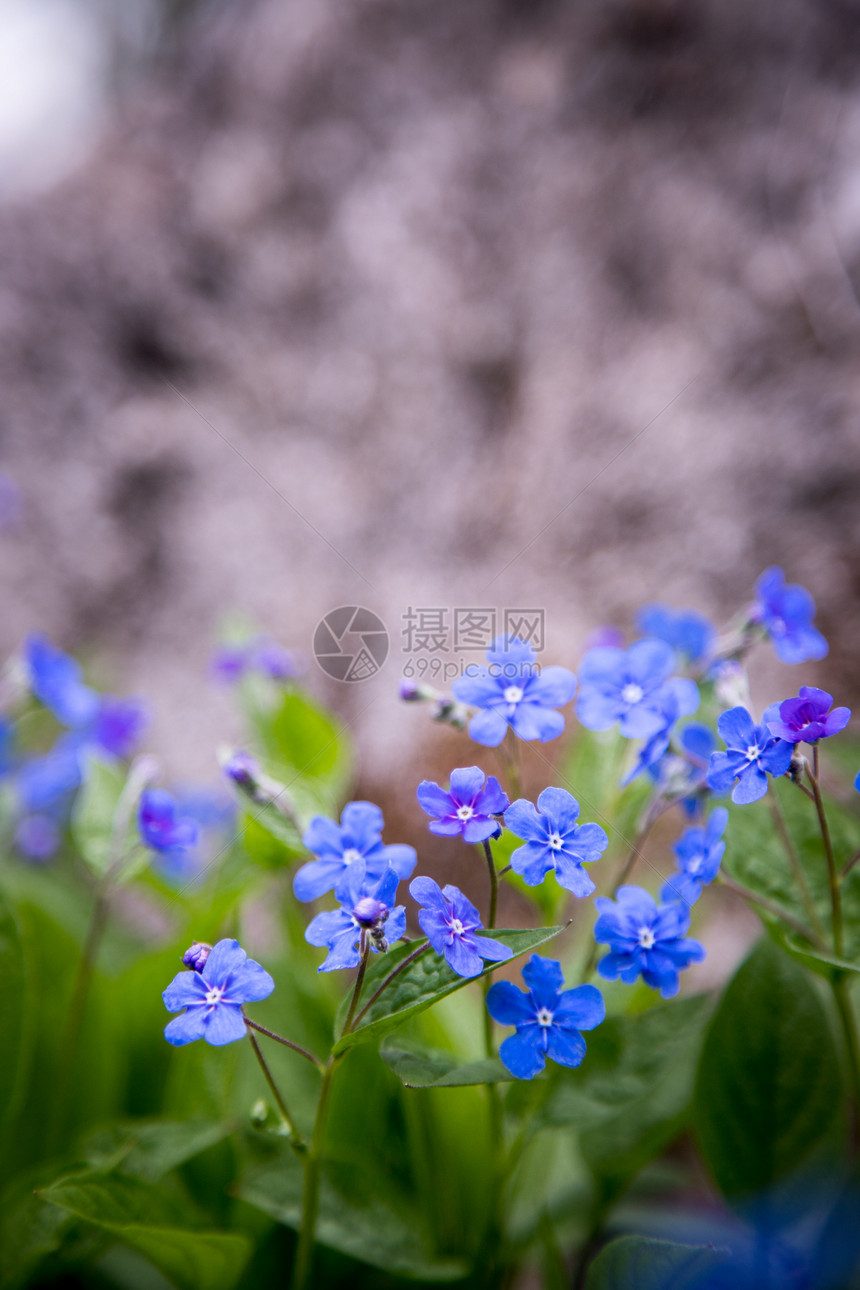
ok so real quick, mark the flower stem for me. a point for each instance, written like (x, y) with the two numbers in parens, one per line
(288, 1043)
(410, 958)
(359, 981)
(850, 865)
(791, 851)
(311, 1192)
(295, 1138)
(772, 908)
(494, 883)
(832, 875)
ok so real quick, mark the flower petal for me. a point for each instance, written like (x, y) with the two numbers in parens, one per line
(187, 1028)
(567, 1047)
(433, 799)
(508, 1005)
(185, 990)
(488, 728)
(466, 784)
(522, 1054)
(223, 1024)
(522, 819)
(583, 1008)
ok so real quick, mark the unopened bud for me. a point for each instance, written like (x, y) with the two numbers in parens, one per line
(248, 776)
(196, 955)
(369, 912)
(415, 692)
(451, 713)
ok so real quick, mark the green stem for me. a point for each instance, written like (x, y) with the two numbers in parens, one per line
(295, 1138)
(359, 982)
(311, 1192)
(494, 883)
(848, 1022)
(794, 859)
(772, 908)
(832, 874)
(410, 958)
(850, 865)
(288, 1043)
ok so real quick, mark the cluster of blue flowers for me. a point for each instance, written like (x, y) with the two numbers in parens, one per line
(638, 689)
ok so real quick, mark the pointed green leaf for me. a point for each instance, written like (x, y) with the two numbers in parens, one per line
(769, 1090)
(301, 735)
(145, 1218)
(419, 1067)
(638, 1261)
(152, 1148)
(423, 983)
(93, 823)
(355, 1219)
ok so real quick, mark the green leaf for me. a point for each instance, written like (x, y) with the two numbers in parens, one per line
(302, 736)
(637, 1261)
(419, 1067)
(769, 1089)
(145, 1219)
(93, 818)
(150, 1149)
(632, 1094)
(354, 1218)
(29, 1231)
(423, 983)
(13, 1005)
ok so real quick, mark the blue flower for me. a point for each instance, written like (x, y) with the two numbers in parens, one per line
(449, 922)
(513, 691)
(213, 997)
(367, 907)
(7, 746)
(163, 826)
(645, 940)
(56, 681)
(753, 753)
(37, 837)
(117, 725)
(554, 840)
(548, 1019)
(260, 654)
(634, 688)
(467, 808)
(785, 611)
(699, 852)
(686, 631)
(49, 780)
(807, 718)
(356, 840)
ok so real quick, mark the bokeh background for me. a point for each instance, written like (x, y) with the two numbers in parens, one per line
(405, 303)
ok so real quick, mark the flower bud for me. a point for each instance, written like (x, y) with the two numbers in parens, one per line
(196, 955)
(415, 692)
(369, 912)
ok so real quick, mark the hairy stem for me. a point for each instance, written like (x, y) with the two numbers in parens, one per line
(359, 982)
(494, 883)
(295, 1138)
(832, 874)
(288, 1043)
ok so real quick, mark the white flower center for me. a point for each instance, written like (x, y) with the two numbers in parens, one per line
(632, 692)
(350, 855)
(464, 812)
(513, 694)
(753, 751)
(215, 995)
(556, 841)
(457, 927)
(646, 938)
(695, 865)
(544, 1017)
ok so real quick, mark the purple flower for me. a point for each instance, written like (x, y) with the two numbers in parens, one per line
(56, 681)
(752, 754)
(163, 827)
(807, 718)
(196, 955)
(467, 808)
(785, 611)
(357, 840)
(450, 922)
(554, 840)
(548, 1019)
(513, 691)
(645, 940)
(229, 663)
(367, 907)
(689, 633)
(699, 852)
(634, 688)
(213, 997)
(118, 725)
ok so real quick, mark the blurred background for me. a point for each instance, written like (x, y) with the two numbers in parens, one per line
(506, 303)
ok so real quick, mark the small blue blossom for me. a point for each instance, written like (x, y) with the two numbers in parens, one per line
(367, 907)
(450, 922)
(37, 837)
(807, 718)
(699, 852)
(56, 680)
(213, 997)
(357, 840)
(752, 754)
(49, 780)
(548, 1019)
(467, 808)
(513, 691)
(117, 725)
(554, 841)
(689, 633)
(645, 940)
(634, 688)
(785, 611)
(163, 826)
